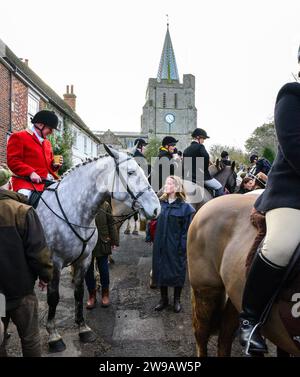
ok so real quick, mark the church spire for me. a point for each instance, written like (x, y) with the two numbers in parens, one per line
(167, 67)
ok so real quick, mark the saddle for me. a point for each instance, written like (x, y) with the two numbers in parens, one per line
(36, 195)
(289, 295)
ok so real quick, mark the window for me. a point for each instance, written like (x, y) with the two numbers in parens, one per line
(60, 125)
(85, 144)
(164, 100)
(175, 100)
(75, 138)
(33, 106)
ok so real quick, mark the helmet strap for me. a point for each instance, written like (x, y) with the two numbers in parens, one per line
(41, 130)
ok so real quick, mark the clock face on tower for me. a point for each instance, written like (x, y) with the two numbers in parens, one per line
(170, 118)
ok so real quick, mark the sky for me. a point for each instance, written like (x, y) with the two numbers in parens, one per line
(241, 53)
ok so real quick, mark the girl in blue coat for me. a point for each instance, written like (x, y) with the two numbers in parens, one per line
(169, 250)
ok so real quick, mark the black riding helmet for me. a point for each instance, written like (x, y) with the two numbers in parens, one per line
(253, 157)
(200, 132)
(47, 118)
(140, 142)
(169, 140)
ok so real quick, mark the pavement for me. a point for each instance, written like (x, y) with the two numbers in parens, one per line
(129, 327)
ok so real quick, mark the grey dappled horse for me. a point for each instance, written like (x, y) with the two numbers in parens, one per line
(67, 211)
(196, 195)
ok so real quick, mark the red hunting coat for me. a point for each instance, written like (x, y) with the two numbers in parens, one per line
(25, 154)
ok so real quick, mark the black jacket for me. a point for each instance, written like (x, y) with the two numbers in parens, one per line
(142, 161)
(159, 174)
(283, 186)
(262, 165)
(23, 251)
(196, 150)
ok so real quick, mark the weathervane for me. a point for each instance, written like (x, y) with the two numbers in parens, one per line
(167, 20)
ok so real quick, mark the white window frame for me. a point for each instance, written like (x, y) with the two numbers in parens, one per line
(85, 143)
(60, 127)
(33, 98)
(75, 136)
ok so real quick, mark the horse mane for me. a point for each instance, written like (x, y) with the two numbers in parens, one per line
(85, 162)
(88, 160)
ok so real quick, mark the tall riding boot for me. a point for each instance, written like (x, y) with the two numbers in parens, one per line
(91, 302)
(164, 301)
(105, 297)
(263, 280)
(177, 305)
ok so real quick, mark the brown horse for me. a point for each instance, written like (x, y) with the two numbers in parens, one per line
(219, 239)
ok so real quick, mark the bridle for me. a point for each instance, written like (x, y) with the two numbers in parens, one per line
(135, 199)
(256, 178)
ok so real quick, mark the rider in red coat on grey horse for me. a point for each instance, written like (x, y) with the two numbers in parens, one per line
(29, 154)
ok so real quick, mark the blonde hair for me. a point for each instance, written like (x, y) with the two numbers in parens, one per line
(180, 191)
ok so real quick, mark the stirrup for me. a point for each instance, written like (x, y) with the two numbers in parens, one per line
(249, 340)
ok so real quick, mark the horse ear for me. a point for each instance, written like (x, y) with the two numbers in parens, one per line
(233, 165)
(111, 152)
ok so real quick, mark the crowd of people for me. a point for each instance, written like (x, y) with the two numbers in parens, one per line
(31, 166)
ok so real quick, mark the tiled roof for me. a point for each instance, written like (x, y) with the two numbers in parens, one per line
(49, 93)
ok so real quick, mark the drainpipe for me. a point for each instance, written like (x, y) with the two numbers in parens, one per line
(9, 131)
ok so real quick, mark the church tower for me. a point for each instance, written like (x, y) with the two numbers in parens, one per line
(170, 105)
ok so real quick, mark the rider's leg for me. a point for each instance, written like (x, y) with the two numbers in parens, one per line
(267, 271)
(215, 185)
(25, 192)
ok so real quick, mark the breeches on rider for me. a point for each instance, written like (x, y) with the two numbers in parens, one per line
(283, 235)
(215, 185)
(28, 192)
(267, 271)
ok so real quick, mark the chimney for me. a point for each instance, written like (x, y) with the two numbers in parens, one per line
(25, 61)
(70, 97)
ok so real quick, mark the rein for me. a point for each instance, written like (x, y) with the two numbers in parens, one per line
(122, 217)
(71, 225)
(258, 179)
(64, 218)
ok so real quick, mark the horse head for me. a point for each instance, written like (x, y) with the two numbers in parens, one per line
(231, 178)
(225, 174)
(130, 185)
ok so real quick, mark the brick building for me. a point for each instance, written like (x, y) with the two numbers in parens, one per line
(23, 93)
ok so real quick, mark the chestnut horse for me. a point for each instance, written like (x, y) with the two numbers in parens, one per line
(219, 239)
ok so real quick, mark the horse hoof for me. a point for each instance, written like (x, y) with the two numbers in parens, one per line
(127, 231)
(87, 336)
(57, 346)
(135, 232)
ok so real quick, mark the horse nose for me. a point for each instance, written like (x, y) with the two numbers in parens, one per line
(155, 212)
